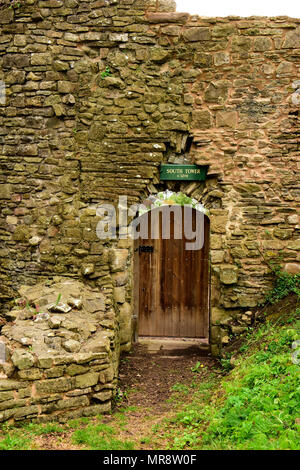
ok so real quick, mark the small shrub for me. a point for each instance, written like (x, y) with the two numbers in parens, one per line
(285, 284)
(106, 73)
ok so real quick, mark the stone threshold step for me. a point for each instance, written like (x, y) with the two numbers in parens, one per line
(160, 344)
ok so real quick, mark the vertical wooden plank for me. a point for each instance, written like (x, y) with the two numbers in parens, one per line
(206, 312)
(174, 293)
(184, 287)
(145, 281)
(191, 282)
(156, 268)
(136, 290)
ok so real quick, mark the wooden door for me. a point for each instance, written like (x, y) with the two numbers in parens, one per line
(172, 282)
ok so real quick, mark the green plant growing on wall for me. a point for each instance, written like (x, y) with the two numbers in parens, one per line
(10, 4)
(58, 299)
(170, 197)
(106, 73)
(285, 284)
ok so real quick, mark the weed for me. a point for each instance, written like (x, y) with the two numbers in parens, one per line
(226, 362)
(14, 442)
(100, 437)
(58, 299)
(181, 388)
(106, 73)
(284, 283)
(197, 367)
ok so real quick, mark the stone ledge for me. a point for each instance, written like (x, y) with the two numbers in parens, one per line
(171, 17)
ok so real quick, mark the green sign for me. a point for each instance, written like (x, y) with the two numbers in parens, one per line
(183, 172)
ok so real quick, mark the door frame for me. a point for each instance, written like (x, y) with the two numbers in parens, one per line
(136, 291)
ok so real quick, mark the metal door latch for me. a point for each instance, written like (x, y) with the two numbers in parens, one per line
(146, 249)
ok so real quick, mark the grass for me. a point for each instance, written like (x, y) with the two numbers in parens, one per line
(84, 433)
(15, 441)
(24, 436)
(100, 437)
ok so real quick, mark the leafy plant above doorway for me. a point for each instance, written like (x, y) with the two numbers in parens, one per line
(171, 198)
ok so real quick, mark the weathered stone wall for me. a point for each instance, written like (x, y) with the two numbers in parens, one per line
(99, 94)
(59, 354)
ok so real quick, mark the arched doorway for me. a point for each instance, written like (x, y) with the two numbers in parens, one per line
(171, 274)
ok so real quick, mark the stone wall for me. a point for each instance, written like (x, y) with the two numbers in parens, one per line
(98, 95)
(59, 354)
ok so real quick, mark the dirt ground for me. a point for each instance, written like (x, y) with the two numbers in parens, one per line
(147, 384)
(149, 378)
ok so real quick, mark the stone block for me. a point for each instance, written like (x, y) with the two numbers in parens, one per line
(203, 59)
(241, 44)
(103, 396)
(7, 384)
(75, 402)
(3, 354)
(118, 259)
(215, 241)
(159, 54)
(167, 17)
(64, 86)
(76, 369)
(97, 409)
(237, 330)
(215, 350)
(197, 33)
(217, 256)
(293, 219)
(120, 279)
(118, 37)
(218, 223)
(5, 191)
(217, 91)
(31, 374)
(201, 120)
(292, 268)
(223, 31)
(218, 314)
(227, 119)
(86, 380)
(262, 44)
(106, 375)
(71, 345)
(6, 15)
(125, 320)
(26, 412)
(119, 294)
(292, 39)
(22, 359)
(45, 362)
(246, 300)
(49, 386)
(221, 58)
(5, 396)
(41, 59)
(54, 372)
(228, 274)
